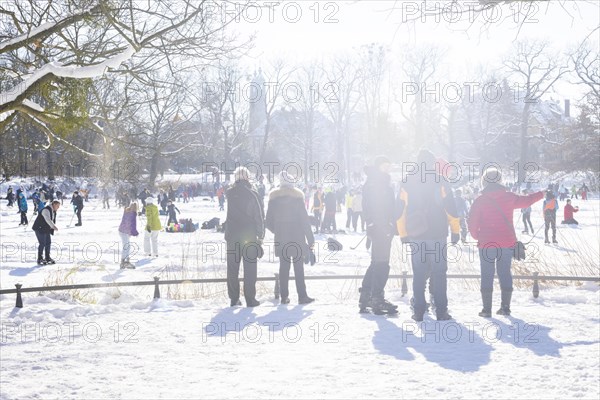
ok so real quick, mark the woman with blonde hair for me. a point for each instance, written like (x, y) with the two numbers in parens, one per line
(127, 229)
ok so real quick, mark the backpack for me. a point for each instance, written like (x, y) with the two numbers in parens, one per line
(211, 224)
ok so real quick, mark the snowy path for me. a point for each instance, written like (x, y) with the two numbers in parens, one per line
(186, 349)
(53, 347)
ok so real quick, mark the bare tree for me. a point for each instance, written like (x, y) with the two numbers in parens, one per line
(536, 71)
(416, 106)
(342, 97)
(277, 77)
(46, 43)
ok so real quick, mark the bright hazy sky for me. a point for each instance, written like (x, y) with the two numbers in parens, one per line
(564, 23)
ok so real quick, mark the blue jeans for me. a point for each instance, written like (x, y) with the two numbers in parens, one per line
(44, 240)
(429, 259)
(496, 259)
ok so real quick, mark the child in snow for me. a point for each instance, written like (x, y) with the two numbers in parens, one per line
(152, 228)
(569, 211)
(127, 229)
(171, 208)
(22, 203)
(550, 208)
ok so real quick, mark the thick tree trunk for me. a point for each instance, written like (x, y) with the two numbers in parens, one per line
(523, 159)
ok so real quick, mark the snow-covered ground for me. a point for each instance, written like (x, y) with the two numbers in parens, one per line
(110, 343)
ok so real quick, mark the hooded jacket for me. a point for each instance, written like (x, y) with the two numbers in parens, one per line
(288, 220)
(427, 208)
(245, 218)
(378, 201)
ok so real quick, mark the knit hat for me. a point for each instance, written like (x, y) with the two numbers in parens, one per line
(380, 160)
(286, 180)
(241, 174)
(491, 175)
(150, 200)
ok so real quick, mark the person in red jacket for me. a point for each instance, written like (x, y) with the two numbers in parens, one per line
(569, 210)
(491, 224)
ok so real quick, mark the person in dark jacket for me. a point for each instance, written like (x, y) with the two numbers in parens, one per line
(462, 210)
(379, 214)
(10, 196)
(491, 224)
(127, 229)
(35, 199)
(317, 207)
(163, 200)
(22, 203)
(144, 194)
(77, 202)
(288, 220)
(244, 232)
(44, 227)
(426, 203)
(105, 199)
(172, 211)
(549, 209)
(329, 225)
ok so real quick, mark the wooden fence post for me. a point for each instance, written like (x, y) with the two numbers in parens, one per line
(19, 298)
(156, 289)
(536, 286)
(404, 284)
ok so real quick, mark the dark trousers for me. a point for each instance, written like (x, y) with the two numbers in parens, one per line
(571, 221)
(430, 257)
(235, 254)
(284, 276)
(329, 221)
(44, 240)
(317, 215)
(78, 212)
(527, 220)
(24, 218)
(349, 215)
(550, 221)
(172, 219)
(496, 260)
(463, 229)
(376, 277)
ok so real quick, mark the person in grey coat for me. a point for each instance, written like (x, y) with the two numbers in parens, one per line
(288, 220)
(244, 232)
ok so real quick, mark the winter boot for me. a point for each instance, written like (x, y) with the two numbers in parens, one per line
(506, 296)
(554, 241)
(41, 261)
(444, 316)
(50, 261)
(364, 300)
(252, 303)
(380, 306)
(486, 298)
(546, 241)
(417, 316)
(305, 300)
(235, 303)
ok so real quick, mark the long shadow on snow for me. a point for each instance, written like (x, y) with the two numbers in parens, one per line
(21, 271)
(450, 344)
(233, 319)
(533, 336)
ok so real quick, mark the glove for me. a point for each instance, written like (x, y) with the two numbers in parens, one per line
(261, 251)
(454, 238)
(148, 229)
(370, 230)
